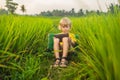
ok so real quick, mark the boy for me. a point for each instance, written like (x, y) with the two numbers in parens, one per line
(62, 42)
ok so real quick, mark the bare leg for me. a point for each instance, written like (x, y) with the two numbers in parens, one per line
(65, 46)
(64, 62)
(56, 48)
(56, 52)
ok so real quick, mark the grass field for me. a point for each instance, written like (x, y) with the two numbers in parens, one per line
(23, 40)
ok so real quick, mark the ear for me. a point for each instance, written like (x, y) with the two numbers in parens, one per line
(59, 27)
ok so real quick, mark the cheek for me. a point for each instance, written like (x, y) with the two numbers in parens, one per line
(62, 29)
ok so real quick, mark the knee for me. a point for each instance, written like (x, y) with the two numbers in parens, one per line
(65, 39)
(56, 40)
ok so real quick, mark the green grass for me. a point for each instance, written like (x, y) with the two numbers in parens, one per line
(24, 38)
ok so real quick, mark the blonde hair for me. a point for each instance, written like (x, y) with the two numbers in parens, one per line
(64, 21)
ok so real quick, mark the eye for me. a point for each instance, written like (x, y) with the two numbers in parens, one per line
(65, 26)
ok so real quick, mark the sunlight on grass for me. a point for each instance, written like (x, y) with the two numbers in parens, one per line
(24, 38)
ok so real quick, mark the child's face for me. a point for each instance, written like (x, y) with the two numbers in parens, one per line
(65, 28)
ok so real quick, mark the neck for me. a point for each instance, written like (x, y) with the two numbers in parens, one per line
(65, 32)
